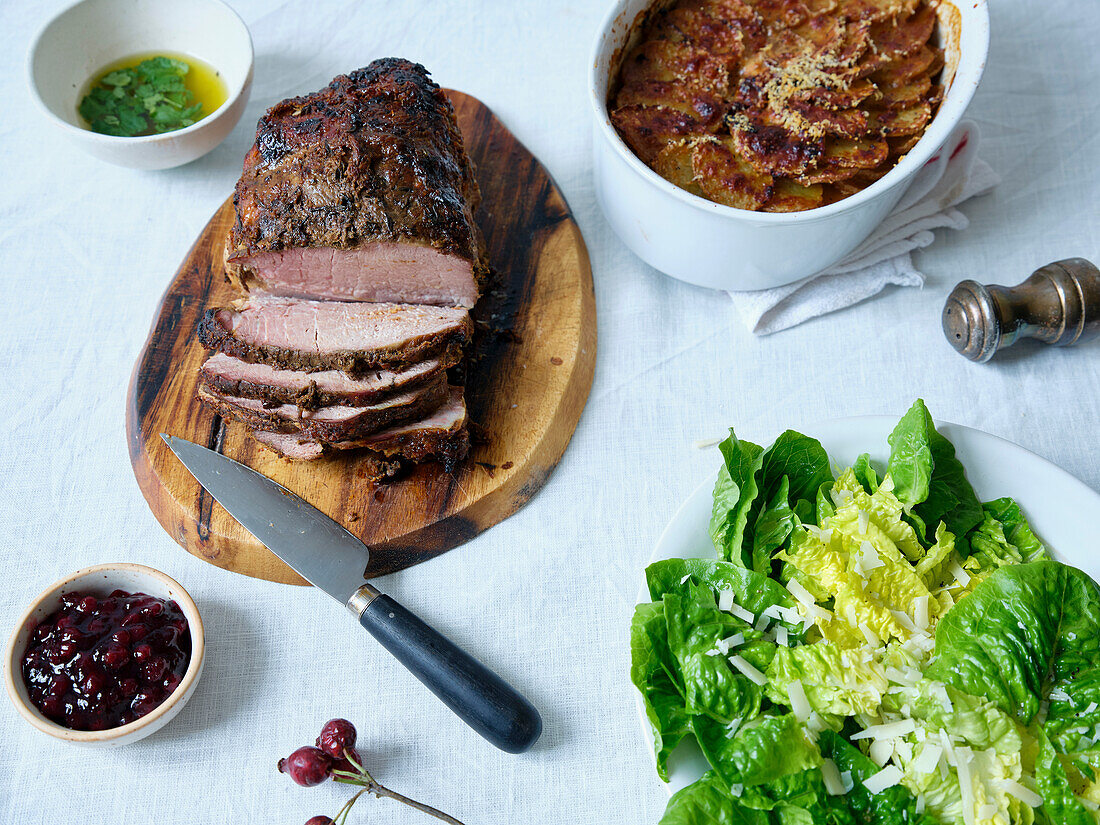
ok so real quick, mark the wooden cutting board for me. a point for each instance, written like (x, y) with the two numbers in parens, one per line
(525, 390)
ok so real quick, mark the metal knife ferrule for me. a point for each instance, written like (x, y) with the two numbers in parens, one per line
(360, 600)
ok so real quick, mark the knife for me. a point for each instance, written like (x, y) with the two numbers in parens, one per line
(332, 559)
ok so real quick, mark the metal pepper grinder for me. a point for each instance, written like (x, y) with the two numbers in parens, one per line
(1059, 304)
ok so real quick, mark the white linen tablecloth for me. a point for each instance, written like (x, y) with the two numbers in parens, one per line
(545, 597)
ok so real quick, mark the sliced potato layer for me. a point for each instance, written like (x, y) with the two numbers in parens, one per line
(779, 105)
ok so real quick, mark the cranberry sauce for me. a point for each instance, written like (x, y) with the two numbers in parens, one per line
(100, 663)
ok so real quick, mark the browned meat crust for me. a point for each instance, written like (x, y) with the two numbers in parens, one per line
(376, 155)
(366, 421)
(216, 335)
(311, 396)
(450, 448)
(418, 445)
(372, 468)
(444, 436)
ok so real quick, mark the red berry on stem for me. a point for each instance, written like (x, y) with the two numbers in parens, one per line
(336, 735)
(307, 766)
(342, 764)
(319, 820)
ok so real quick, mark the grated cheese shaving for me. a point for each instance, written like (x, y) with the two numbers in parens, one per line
(890, 730)
(880, 751)
(868, 634)
(800, 704)
(921, 617)
(961, 576)
(725, 600)
(830, 774)
(1025, 795)
(965, 759)
(864, 521)
(748, 669)
(888, 777)
(741, 613)
(928, 759)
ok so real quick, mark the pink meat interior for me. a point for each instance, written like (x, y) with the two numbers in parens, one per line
(329, 327)
(380, 271)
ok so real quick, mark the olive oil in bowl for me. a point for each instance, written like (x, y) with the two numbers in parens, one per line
(151, 94)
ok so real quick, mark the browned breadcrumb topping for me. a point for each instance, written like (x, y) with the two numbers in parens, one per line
(778, 105)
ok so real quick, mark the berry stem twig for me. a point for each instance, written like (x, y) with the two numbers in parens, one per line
(361, 777)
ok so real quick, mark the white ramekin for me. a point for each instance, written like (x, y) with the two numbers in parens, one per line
(91, 34)
(101, 580)
(706, 243)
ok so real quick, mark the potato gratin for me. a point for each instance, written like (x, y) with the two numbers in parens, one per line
(778, 105)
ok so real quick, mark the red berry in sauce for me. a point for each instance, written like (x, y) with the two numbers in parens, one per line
(307, 766)
(97, 663)
(336, 735)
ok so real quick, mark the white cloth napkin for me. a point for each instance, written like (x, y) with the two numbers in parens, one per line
(953, 175)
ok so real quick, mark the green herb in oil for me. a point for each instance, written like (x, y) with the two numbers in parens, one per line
(149, 99)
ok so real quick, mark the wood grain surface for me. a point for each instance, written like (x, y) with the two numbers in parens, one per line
(526, 387)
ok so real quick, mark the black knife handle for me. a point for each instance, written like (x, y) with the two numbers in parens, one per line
(478, 696)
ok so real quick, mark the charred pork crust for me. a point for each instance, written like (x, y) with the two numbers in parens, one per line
(216, 334)
(421, 445)
(406, 443)
(311, 396)
(370, 420)
(375, 156)
(450, 448)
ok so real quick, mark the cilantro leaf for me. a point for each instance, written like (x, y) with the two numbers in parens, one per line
(150, 98)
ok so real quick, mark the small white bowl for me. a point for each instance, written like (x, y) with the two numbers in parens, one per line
(85, 37)
(101, 580)
(717, 246)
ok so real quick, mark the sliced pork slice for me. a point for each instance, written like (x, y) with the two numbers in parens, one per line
(315, 336)
(225, 375)
(360, 192)
(442, 435)
(333, 423)
(408, 272)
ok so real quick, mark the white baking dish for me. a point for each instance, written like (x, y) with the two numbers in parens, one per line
(717, 246)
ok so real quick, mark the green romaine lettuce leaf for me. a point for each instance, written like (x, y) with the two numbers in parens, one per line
(711, 685)
(708, 802)
(802, 799)
(753, 591)
(892, 806)
(752, 514)
(1060, 805)
(863, 587)
(866, 473)
(835, 684)
(1023, 632)
(928, 479)
(654, 672)
(774, 523)
(763, 751)
(1004, 537)
(980, 724)
(734, 493)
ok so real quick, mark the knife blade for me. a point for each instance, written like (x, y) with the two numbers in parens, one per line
(332, 559)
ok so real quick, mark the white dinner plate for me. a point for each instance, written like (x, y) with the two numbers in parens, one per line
(1062, 510)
